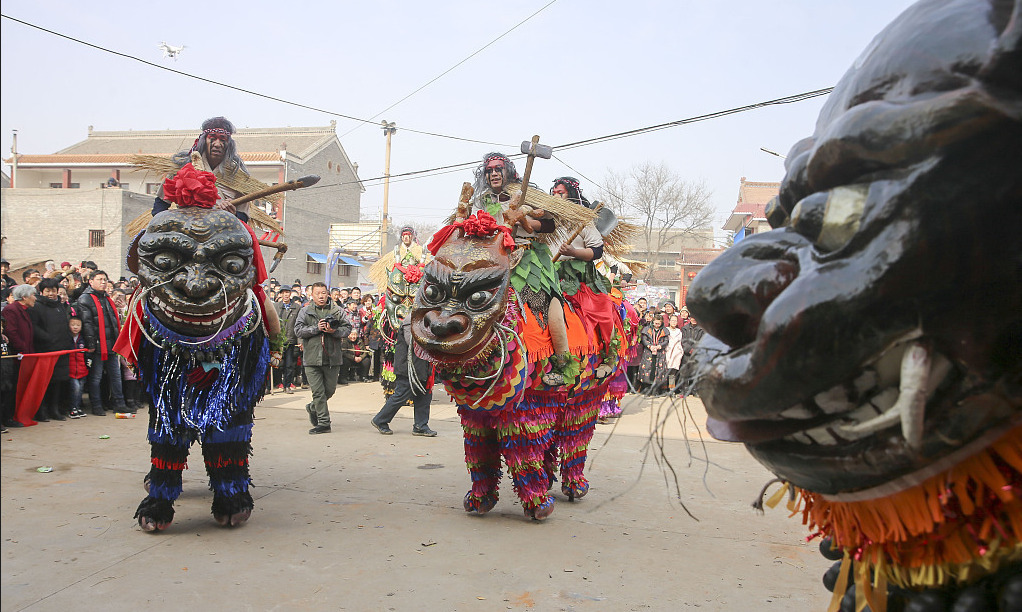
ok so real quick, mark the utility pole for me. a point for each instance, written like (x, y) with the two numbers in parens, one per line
(14, 159)
(388, 131)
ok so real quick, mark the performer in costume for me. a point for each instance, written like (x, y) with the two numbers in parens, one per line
(409, 251)
(198, 329)
(533, 277)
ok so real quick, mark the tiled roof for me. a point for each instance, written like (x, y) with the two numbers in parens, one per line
(298, 141)
(753, 197)
(107, 159)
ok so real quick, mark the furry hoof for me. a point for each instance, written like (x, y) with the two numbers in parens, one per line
(575, 491)
(542, 511)
(150, 525)
(233, 520)
(480, 505)
(155, 514)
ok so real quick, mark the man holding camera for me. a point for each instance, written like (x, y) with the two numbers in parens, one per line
(321, 325)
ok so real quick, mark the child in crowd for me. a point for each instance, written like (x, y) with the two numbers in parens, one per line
(77, 369)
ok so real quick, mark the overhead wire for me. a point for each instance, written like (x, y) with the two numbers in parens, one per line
(445, 72)
(237, 88)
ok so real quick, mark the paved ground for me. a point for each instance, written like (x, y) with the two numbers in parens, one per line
(357, 521)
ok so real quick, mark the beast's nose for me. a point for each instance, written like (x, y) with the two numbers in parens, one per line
(195, 282)
(443, 326)
(729, 297)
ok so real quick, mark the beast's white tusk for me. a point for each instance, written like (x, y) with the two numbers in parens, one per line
(910, 407)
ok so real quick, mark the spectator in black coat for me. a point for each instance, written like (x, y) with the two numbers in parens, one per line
(100, 326)
(420, 393)
(50, 332)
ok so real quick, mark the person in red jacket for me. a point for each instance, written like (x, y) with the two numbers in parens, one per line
(78, 371)
(18, 330)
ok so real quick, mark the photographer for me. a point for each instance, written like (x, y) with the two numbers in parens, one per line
(321, 325)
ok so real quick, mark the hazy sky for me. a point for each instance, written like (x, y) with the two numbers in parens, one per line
(578, 69)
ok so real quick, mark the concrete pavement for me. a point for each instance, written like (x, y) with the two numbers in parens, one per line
(353, 520)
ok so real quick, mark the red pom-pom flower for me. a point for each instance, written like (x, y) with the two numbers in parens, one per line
(480, 224)
(412, 274)
(191, 187)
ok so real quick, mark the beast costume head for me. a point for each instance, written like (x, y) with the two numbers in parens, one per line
(464, 289)
(402, 285)
(198, 264)
(871, 345)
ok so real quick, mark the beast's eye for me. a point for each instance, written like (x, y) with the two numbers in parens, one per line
(433, 293)
(233, 264)
(479, 299)
(395, 297)
(167, 260)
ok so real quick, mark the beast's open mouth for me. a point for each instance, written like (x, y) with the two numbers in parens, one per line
(891, 391)
(194, 318)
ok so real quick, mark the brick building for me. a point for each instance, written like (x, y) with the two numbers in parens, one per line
(749, 216)
(70, 190)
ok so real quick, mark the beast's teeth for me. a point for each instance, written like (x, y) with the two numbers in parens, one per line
(833, 400)
(866, 381)
(911, 404)
(798, 411)
(821, 436)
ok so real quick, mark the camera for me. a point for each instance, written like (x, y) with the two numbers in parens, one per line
(332, 322)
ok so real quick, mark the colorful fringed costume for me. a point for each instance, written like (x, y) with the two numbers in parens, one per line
(868, 350)
(492, 354)
(197, 332)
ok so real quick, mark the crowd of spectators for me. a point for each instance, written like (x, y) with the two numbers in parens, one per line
(80, 306)
(667, 336)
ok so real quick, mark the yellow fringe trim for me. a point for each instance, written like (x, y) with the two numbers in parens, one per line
(909, 538)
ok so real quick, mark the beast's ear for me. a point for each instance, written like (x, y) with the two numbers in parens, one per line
(132, 259)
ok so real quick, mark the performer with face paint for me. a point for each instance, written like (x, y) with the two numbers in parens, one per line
(533, 276)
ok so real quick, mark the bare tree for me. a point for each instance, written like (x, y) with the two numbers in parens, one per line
(656, 197)
(424, 230)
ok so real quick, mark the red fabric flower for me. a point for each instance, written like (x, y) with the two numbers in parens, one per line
(413, 274)
(481, 223)
(190, 187)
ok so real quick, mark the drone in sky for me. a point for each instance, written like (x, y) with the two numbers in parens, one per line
(170, 50)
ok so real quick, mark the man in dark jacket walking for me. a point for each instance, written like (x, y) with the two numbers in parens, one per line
(51, 332)
(100, 325)
(321, 326)
(406, 366)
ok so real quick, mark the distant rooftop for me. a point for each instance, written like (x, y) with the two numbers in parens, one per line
(753, 196)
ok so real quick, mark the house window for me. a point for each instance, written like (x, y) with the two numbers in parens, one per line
(152, 188)
(343, 270)
(61, 185)
(311, 267)
(97, 238)
(125, 186)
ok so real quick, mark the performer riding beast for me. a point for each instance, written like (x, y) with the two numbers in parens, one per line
(198, 329)
(869, 350)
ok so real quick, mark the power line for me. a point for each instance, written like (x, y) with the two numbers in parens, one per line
(442, 74)
(600, 139)
(235, 87)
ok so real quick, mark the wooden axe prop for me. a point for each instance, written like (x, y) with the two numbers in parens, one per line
(575, 234)
(298, 183)
(532, 150)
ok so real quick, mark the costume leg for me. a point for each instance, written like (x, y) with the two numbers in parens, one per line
(558, 327)
(169, 458)
(575, 430)
(525, 433)
(226, 455)
(482, 456)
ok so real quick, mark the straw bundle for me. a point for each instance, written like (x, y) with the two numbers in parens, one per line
(240, 182)
(380, 270)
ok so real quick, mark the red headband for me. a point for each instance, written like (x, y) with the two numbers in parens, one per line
(219, 131)
(479, 224)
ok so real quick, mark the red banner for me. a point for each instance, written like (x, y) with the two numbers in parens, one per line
(33, 378)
